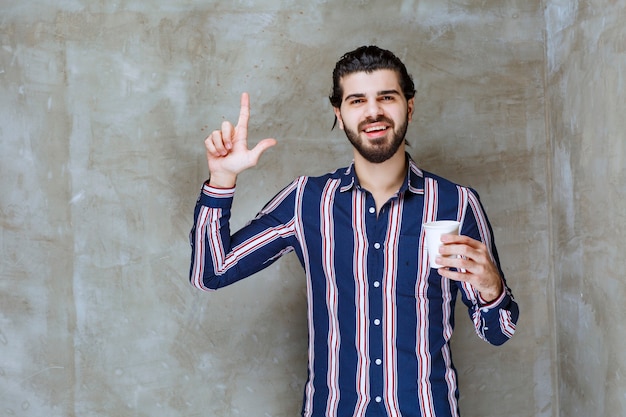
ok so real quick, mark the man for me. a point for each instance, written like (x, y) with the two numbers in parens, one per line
(380, 319)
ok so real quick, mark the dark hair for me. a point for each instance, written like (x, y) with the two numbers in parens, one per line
(368, 59)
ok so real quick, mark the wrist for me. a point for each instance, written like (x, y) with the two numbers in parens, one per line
(490, 296)
(221, 180)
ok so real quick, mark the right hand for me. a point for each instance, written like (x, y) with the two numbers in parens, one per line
(227, 149)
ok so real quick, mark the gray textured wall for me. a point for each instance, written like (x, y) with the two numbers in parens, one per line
(103, 109)
(586, 98)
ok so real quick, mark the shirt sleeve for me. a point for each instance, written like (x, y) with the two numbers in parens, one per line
(495, 321)
(219, 258)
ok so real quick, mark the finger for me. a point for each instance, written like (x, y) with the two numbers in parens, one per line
(460, 263)
(446, 259)
(244, 117)
(463, 245)
(463, 257)
(209, 143)
(226, 142)
(454, 275)
(216, 144)
(456, 249)
(448, 238)
(261, 147)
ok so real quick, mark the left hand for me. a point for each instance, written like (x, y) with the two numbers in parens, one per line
(473, 257)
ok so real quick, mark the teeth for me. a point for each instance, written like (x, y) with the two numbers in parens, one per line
(374, 129)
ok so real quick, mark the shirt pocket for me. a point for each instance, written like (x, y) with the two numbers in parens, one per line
(410, 254)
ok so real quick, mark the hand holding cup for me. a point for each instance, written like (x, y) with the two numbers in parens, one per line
(434, 231)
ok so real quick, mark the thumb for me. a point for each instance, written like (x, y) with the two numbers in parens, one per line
(262, 146)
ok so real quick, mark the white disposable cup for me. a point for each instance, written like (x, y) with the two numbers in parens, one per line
(433, 231)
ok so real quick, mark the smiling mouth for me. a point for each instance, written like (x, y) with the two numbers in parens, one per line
(375, 129)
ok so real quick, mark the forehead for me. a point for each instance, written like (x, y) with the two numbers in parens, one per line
(370, 82)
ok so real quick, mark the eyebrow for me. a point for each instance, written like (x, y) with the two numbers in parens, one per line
(379, 93)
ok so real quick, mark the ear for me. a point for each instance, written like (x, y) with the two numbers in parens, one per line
(338, 116)
(410, 108)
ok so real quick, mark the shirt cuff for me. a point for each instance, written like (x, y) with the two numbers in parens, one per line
(211, 196)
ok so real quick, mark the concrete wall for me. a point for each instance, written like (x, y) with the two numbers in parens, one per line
(586, 101)
(103, 109)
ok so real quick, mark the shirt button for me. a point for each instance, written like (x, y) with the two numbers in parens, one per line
(378, 399)
(376, 284)
(372, 210)
(377, 322)
(378, 361)
(377, 245)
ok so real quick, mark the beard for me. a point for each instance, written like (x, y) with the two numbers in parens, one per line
(380, 149)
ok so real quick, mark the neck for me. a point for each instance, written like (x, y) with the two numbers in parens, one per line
(382, 180)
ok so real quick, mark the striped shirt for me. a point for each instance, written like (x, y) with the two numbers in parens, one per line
(379, 319)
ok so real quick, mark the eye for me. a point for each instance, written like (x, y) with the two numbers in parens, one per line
(387, 98)
(356, 101)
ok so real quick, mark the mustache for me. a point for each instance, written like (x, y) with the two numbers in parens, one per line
(376, 120)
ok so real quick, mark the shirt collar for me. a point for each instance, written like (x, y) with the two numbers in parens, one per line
(414, 181)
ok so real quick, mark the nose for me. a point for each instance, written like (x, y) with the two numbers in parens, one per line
(374, 109)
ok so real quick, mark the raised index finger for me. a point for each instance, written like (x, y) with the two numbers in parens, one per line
(244, 114)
